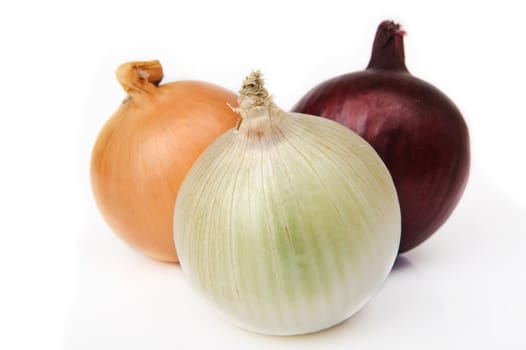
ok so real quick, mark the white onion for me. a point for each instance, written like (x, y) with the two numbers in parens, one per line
(289, 223)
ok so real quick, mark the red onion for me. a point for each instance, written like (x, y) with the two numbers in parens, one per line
(416, 129)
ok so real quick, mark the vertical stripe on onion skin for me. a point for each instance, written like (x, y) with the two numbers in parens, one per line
(289, 223)
(146, 148)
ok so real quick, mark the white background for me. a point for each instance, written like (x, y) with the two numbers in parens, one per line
(68, 283)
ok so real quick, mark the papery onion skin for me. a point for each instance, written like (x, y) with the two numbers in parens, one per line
(288, 224)
(146, 148)
(416, 129)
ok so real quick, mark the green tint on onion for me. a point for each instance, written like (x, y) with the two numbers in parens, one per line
(289, 223)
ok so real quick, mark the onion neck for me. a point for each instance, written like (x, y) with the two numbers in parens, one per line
(256, 106)
(140, 77)
(388, 48)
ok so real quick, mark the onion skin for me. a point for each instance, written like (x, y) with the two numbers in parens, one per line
(289, 223)
(416, 129)
(145, 149)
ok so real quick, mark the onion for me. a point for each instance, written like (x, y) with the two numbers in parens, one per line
(416, 129)
(289, 223)
(144, 151)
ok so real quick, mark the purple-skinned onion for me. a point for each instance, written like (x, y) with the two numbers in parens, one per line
(416, 129)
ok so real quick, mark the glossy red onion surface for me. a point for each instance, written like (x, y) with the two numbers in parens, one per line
(416, 129)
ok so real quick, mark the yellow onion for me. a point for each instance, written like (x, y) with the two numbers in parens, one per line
(146, 148)
(288, 223)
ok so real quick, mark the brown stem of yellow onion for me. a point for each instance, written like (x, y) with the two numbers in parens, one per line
(140, 76)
